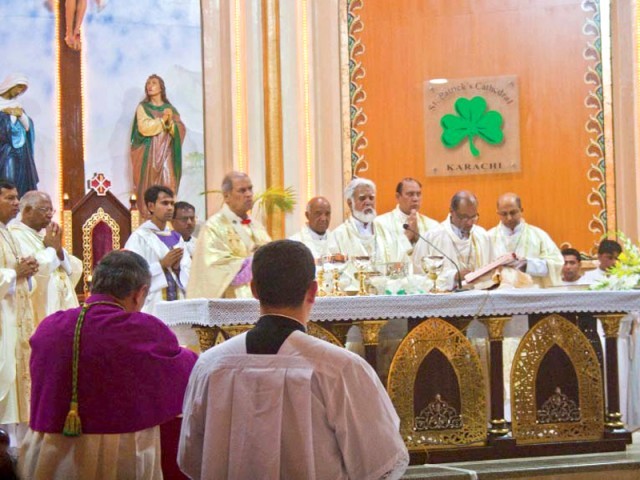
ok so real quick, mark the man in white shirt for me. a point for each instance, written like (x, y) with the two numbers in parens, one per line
(608, 252)
(41, 238)
(184, 222)
(358, 235)
(316, 234)
(162, 248)
(407, 211)
(277, 403)
(460, 238)
(538, 255)
(571, 267)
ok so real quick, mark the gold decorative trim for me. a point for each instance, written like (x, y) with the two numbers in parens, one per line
(548, 332)
(135, 219)
(340, 330)
(322, 333)
(87, 236)
(495, 326)
(437, 415)
(559, 408)
(352, 92)
(67, 230)
(600, 123)
(233, 330)
(209, 337)
(611, 323)
(435, 333)
(272, 108)
(370, 330)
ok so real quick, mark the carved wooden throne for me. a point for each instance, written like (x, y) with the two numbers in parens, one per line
(96, 225)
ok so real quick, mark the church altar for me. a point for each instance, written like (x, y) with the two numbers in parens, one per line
(448, 393)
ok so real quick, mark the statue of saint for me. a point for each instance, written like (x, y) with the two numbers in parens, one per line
(156, 142)
(17, 136)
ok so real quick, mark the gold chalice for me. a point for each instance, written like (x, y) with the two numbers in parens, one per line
(337, 262)
(361, 263)
(433, 265)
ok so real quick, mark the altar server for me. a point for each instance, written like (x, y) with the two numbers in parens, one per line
(162, 248)
(100, 394)
(222, 260)
(460, 238)
(316, 234)
(277, 403)
(537, 254)
(608, 252)
(407, 212)
(41, 238)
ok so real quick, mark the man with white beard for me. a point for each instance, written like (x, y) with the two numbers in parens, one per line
(357, 235)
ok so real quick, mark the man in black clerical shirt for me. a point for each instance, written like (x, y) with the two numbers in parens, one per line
(278, 403)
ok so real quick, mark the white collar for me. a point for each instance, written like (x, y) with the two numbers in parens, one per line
(227, 212)
(508, 232)
(362, 228)
(458, 231)
(149, 225)
(315, 235)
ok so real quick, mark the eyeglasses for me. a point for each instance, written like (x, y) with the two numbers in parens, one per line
(467, 218)
(46, 210)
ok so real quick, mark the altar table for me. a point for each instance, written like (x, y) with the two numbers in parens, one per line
(441, 387)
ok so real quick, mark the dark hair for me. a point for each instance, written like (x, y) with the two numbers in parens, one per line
(6, 185)
(120, 273)
(163, 90)
(406, 179)
(609, 246)
(151, 194)
(282, 273)
(571, 251)
(182, 205)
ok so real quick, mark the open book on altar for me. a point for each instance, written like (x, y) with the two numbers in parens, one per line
(505, 259)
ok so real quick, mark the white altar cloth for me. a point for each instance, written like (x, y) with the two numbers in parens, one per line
(474, 303)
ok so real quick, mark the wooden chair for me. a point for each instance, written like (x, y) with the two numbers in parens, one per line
(96, 225)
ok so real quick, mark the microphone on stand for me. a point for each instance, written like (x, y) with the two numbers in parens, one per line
(459, 276)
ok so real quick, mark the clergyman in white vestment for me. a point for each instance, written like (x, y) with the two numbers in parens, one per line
(407, 212)
(221, 266)
(357, 236)
(58, 271)
(184, 222)
(277, 403)
(538, 255)
(316, 234)
(460, 238)
(162, 248)
(16, 315)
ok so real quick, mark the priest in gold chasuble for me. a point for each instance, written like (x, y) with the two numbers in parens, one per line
(221, 265)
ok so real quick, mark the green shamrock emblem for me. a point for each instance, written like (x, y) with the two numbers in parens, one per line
(473, 121)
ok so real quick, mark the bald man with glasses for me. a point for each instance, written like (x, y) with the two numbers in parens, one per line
(465, 243)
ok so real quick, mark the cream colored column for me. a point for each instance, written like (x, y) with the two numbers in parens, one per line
(272, 106)
(625, 45)
(310, 65)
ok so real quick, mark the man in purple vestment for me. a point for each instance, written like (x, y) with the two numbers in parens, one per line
(129, 377)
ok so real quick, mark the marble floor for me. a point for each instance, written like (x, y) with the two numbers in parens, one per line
(609, 466)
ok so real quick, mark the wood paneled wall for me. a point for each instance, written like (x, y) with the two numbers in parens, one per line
(540, 41)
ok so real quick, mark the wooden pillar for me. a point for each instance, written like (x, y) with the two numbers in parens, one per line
(272, 107)
(370, 334)
(495, 327)
(613, 418)
(71, 114)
